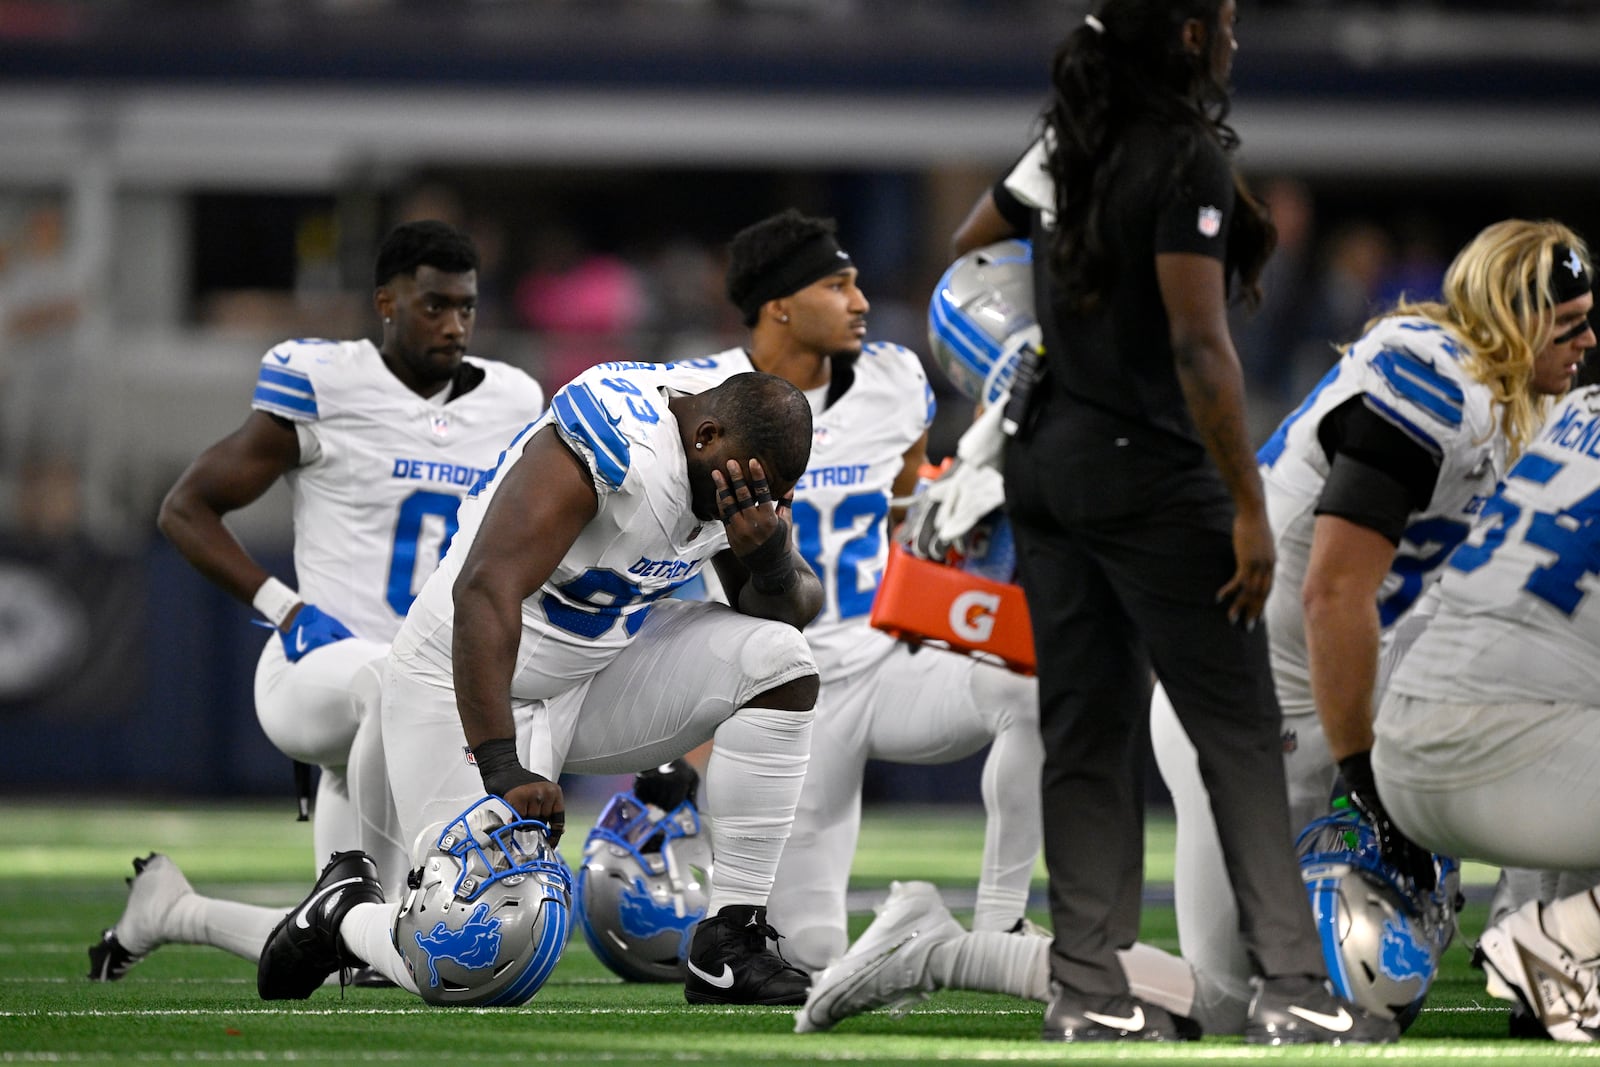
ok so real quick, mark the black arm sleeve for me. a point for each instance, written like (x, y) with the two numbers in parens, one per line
(1014, 211)
(1378, 475)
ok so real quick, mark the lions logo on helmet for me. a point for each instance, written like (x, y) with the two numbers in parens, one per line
(1381, 936)
(488, 909)
(981, 317)
(644, 883)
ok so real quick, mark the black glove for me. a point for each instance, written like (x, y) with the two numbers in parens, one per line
(668, 785)
(1398, 850)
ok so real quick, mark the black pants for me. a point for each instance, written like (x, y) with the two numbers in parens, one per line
(1115, 591)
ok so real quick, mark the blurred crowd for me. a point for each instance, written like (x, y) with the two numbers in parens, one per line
(556, 300)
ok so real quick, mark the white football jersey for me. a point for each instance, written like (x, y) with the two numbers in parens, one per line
(1407, 370)
(644, 541)
(382, 471)
(841, 503)
(1513, 620)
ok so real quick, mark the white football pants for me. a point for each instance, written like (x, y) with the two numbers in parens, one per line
(923, 707)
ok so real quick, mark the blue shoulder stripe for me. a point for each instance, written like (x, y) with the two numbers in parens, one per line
(585, 419)
(285, 392)
(1405, 425)
(1418, 381)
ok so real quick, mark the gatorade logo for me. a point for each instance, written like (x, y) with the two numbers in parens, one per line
(972, 615)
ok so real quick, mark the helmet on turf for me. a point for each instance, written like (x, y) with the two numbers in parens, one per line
(644, 883)
(488, 908)
(981, 316)
(1381, 936)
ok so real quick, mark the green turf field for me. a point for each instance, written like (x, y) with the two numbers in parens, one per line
(61, 876)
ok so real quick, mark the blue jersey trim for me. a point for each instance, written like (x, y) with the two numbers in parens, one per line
(585, 419)
(1411, 429)
(288, 379)
(284, 403)
(1421, 383)
(286, 392)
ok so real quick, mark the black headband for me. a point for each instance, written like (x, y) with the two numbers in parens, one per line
(1569, 277)
(816, 258)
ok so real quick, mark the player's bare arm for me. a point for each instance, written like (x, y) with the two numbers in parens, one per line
(545, 502)
(227, 476)
(1347, 566)
(761, 571)
(1194, 293)
(905, 483)
(984, 225)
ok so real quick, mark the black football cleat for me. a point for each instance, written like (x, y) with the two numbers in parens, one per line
(304, 948)
(729, 962)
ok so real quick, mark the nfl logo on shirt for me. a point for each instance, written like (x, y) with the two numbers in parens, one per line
(1210, 223)
(441, 424)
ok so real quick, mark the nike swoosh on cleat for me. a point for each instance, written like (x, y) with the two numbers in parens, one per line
(300, 641)
(1132, 1022)
(724, 981)
(1338, 1023)
(310, 905)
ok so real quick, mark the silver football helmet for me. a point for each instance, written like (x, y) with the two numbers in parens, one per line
(488, 909)
(1381, 936)
(981, 316)
(644, 883)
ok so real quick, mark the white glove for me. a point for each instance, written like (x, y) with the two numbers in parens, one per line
(941, 515)
(984, 440)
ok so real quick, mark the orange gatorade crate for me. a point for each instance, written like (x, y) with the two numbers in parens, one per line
(920, 601)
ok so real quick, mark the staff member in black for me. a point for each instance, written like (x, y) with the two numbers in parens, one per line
(1140, 520)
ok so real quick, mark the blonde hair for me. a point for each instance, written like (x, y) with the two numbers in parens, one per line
(1486, 306)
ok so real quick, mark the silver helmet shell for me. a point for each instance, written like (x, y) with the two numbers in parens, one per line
(981, 316)
(1381, 935)
(488, 909)
(644, 883)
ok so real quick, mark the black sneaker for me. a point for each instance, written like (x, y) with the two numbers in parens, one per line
(1303, 1010)
(1075, 1016)
(730, 963)
(304, 948)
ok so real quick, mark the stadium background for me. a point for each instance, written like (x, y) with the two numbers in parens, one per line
(182, 184)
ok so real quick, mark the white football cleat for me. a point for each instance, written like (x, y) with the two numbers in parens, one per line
(888, 964)
(1525, 965)
(157, 884)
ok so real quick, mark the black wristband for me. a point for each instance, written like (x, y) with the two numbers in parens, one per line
(500, 768)
(1357, 772)
(770, 565)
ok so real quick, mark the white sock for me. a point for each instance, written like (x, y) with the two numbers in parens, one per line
(1575, 922)
(991, 962)
(1019, 964)
(241, 929)
(334, 823)
(752, 785)
(368, 931)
